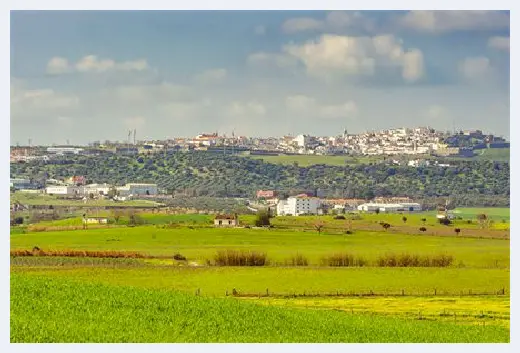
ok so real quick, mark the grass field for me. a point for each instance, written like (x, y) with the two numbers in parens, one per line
(55, 310)
(215, 281)
(202, 244)
(308, 160)
(47, 200)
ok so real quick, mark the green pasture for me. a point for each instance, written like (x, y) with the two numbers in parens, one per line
(73, 311)
(199, 244)
(48, 200)
(215, 281)
(309, 160)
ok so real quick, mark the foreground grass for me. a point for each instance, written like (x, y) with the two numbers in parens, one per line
(54, 310)
(201, 244)
(217, 281)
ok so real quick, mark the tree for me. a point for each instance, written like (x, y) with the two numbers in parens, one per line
(262, 219)
(423, 221)
(482, 219)
(457, 230)
(422, 229)
(319, 225)
(377, 211)
(116, 215)
(386, 226)
(404, 219)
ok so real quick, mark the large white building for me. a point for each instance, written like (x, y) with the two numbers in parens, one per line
(298, 205)
(64, 190)
(137, 189)
(390, 207)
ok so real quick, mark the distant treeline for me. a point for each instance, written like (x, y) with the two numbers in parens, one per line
(204, 174)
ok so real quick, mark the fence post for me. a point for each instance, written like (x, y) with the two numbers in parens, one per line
(402, 292)
(267, 291)
(435, 291)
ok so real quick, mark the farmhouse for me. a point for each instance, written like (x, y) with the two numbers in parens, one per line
(137, 189)
(95, 220)
(226, 220)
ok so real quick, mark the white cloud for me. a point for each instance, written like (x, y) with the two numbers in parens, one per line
(211, 76)
(91, 63)
(499, 43)
(448, 21)
(334, 56)
(271, 59)
(475, 68)
(58, 65)
(334, 21)
(260, 30)
(307, 106)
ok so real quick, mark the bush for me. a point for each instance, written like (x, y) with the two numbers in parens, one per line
(457, 230)
(343, 260)
(340, 217)
(414, 260)
(179, 257)
(240, 258)
(422, 229)
(299, 260)
(445, 221)
(349, 232)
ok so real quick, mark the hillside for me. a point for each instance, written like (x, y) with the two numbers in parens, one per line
(482, 183)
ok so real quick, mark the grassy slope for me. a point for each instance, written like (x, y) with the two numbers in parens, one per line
(308, 160)
(41, 199)
(201, 244)
(50, 310)
(216, 281)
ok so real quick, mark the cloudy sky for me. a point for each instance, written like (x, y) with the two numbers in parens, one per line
(85, 76)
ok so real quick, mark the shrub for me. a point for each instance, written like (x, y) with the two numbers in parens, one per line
(457, 230)
(422, 229)
(240, 258)
(343, 260)
(340, 217)
(299, 260)
(179, 257)
(413, 260)
(386, 226)
(405, 219)
(349, 232)
(445, 221)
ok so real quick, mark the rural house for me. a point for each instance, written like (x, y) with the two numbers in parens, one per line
(226, 220)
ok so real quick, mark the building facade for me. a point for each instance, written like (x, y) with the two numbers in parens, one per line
(298, 205)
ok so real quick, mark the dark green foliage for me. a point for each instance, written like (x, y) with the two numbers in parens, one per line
(179, 257)
(203, 174)
(262, 219)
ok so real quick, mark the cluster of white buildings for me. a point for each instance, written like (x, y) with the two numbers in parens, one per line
(96, 190)
(307, 205)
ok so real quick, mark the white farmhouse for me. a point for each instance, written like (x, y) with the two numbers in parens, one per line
(137, 189)
(63, 190)
(298, 205)
(390, 207)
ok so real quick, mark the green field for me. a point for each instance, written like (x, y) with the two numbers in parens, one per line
(48, 200)
(45, 309)
(215, 281)
(308, 160)
(200, 244)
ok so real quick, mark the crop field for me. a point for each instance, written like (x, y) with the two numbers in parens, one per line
(201, 244)
(215, 281)
(57, 310)
(151, 296)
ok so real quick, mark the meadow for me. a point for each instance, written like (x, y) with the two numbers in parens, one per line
(56, 310)
(48, 200)
(309, 160)
(201, 244)
(162, 299)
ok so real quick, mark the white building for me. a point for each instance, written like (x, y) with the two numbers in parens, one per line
(63, 190)
(64, 150)
(298, 205)
(302, 140)
(390, 207)
(96, 189)
(137, 189)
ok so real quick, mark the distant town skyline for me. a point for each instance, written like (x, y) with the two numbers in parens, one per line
(93, 76)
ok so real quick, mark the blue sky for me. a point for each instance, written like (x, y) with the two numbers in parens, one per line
(85, 76)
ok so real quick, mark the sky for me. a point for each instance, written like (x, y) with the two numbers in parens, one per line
(84, 76)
